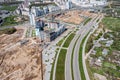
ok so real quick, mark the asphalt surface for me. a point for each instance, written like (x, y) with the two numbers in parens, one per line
(84, 32)
(55, 65)
(68, 75)
(83, 51)
(76, 72)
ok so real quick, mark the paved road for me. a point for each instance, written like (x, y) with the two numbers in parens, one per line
(83, 52)
(83, 33)
(76, 72)
(89, 35)
(55, 65)
(68, 74)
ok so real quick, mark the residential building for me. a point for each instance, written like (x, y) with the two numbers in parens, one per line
(52, 30)
(32, 19)
(53, 8)
(48, 31)
(98, 2)
(64, 4)
(2, 0)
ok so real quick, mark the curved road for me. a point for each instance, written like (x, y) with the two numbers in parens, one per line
(83, 31)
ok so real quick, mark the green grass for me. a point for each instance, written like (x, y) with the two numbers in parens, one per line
(97, 70)
(86, 21)
(69, 39)
(97, 20)
(9, 8)
(114, 25)
(89, 44)
(111, 23)
(60, 69)
(112, 72)
(60, 42)
(98, 52)
(80, 59)
(52, 69)
(89, 71)
(9, 21)
(109, 65)
(33, 33)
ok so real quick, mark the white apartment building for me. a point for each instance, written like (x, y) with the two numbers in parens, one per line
(98, 2)
(2, 0)
(82, 3)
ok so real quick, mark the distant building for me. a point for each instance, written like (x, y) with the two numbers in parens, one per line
(32, 19)
(2, 0)
(48, 31)
(46, 10)
(53, 8)
(105, 52)
(64, 4)
(35, 12)
(52, 30)
(98, 2)
(90, 3)
(7, 0)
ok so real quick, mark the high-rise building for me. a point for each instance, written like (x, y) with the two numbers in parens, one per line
(32, 19)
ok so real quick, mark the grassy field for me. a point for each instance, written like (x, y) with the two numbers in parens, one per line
(60, 75)
(89, 70)
(9, 8)
(9, 21)
(69, 39)
(108, 67)
(113, 24)
(60, 42)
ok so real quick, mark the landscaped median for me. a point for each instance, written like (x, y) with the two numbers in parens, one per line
(86, 21)
(60, 75)
(81, 59)
(69, 39)
(61, 65)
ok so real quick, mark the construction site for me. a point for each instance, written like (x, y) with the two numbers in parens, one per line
(72, 17)
(20, 57)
